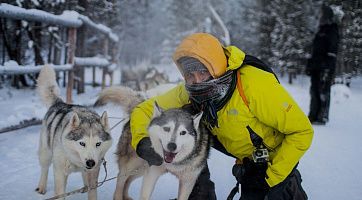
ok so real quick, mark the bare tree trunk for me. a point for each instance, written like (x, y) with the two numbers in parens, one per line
(11, 40)
(18, 52)
(34, 34)
(37, 43)
(6, 39)
(51, 49)
(80, 51)
(3, 42)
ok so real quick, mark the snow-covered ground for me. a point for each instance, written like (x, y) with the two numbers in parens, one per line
(330, 169)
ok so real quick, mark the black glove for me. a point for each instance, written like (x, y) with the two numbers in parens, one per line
(145, 151)
(251, 176)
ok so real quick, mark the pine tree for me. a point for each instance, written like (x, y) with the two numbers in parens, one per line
(291, 34)
(350, 50)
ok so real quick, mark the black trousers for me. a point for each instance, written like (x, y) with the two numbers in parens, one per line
(320, 89)
(289, 189)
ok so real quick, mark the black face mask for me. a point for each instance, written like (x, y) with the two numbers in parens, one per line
(210, 96)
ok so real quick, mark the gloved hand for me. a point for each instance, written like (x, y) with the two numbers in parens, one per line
(251, 176)
(145, 151)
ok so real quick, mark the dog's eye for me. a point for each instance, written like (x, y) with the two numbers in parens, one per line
(167, 129)
(98, 144)
(182, 132)
(82, 144)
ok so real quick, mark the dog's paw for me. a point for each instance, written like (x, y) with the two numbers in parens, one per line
(40, 190)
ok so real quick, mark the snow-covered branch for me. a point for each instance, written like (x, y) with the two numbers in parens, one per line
(99, 27)
(19, 69)
(221, 23)
(68, 18)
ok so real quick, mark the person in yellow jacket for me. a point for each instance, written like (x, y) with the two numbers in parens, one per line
(247, 111)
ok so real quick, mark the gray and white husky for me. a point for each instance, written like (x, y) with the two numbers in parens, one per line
(73, 138)
(175, 135)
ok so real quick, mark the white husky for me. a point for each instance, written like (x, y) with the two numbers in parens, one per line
(175, 135)
(73, 138)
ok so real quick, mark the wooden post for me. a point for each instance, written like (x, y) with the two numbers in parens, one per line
(93, 76)
(63, 59)
(72, 38)
(56, 58)
(105, 50)
(114, 60)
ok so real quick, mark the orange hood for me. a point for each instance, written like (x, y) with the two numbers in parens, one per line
(207, 49)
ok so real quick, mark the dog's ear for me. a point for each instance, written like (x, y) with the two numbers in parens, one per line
(104, 120)
(74, 121)
(157, 111)
(196, 118)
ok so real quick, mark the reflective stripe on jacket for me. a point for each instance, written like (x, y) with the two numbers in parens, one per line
(271, 113)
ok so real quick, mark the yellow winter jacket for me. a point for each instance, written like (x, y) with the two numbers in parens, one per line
(271, 113)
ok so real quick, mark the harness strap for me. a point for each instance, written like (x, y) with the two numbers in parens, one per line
(233, 192)
(239, 85)
(253, 61)
(255, 138)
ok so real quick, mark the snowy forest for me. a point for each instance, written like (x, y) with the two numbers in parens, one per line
(93, 44)
(279, 32)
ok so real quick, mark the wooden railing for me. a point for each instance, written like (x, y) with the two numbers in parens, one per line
(70, 20)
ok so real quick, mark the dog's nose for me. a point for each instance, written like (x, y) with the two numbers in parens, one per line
(90, 163)
(171, 146)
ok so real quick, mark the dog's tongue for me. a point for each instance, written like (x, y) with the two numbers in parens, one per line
(168, 156)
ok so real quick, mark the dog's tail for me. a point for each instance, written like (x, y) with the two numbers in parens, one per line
(47, 86)
(120, 95)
